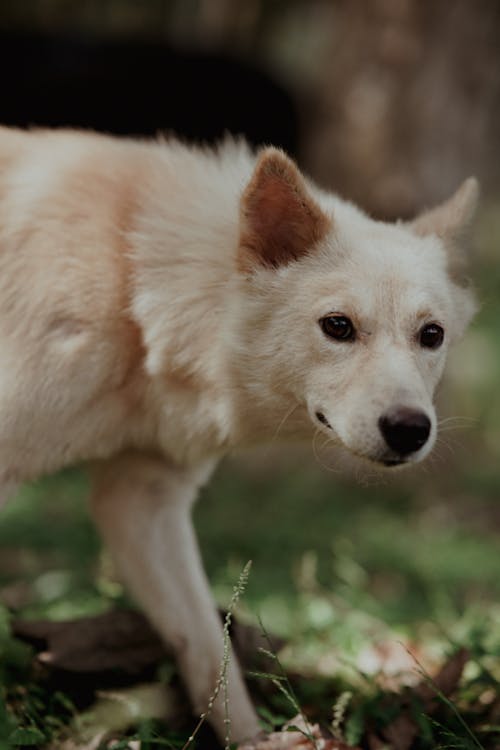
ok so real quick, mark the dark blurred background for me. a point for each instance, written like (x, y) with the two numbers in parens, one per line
(391, 103)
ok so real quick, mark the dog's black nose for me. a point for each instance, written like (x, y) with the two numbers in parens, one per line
(405, 430)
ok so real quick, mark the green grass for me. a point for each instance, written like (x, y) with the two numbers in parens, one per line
(336, 567)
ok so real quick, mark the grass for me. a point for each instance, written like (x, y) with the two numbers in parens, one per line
(338, 566)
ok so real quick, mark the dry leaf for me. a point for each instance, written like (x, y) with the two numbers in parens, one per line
(447, 679)
(401, 732)
(118, 640)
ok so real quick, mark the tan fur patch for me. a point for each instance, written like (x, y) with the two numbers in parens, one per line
(112, 201)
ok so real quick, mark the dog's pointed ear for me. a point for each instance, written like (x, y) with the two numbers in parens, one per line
(450, 219)
(280, 221)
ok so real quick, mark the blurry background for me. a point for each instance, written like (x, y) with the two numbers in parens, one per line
(390, 103)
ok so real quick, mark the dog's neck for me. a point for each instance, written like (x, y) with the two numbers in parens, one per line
(183, 300)
(186, 299)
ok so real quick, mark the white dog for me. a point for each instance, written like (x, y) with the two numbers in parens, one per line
(161, 305)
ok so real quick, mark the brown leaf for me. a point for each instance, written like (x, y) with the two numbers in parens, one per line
(401, 732)
(392, 663)
(447, 679)
(119, 640)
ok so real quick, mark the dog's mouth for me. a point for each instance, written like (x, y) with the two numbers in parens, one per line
(388, 460)
(381, 462)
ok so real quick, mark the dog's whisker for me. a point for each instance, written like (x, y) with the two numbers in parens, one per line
(288, 414)
(445, 453)
(329, 440)
(439, 459)
(453, 445)
(316, 455)
(457, 419)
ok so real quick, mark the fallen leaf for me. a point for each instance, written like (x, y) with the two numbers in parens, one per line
(118, 640)
(403, 730)
(447, 679)
(392, 663)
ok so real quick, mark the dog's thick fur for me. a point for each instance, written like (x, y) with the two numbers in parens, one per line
(161, 305)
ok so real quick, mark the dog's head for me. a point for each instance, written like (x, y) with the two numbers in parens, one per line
(347, 317)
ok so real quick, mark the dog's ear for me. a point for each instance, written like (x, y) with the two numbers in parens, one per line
(450, 221)
(452, 218)
(280, 221)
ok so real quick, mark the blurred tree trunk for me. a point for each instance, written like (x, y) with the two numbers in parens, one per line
(409, 102)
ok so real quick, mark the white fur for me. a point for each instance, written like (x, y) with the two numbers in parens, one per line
(133, 338)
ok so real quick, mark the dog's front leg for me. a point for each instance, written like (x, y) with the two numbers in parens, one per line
(143, 509)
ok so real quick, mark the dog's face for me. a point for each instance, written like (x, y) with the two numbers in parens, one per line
(350, 318)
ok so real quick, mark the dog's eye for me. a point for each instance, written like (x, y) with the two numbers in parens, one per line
(338, 327)
(431, 336)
